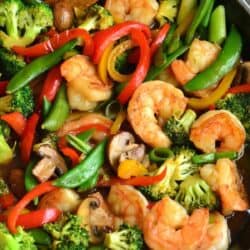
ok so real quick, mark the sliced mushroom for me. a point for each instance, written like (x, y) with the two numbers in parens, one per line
(122, 146)
(44, 169)
(96, 217)
(48, 152)
(64, 199)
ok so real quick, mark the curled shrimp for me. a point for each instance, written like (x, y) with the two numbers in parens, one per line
(168, 227)
(218, 126)
(218, 234)
(142, 11)
(151, 99)
(128, 204)
(224, 179)
(82, 77)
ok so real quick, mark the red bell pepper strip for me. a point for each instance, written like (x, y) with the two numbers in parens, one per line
(51, 86)
(243, 88)
(15, 120)
(30, 196)
(3, 85)
(159, 38)
(28, 137)
(35, 218)
(134, 181)
(141, 68)
(7, 200)
(71, 153)
(104, 38)
(57, 41)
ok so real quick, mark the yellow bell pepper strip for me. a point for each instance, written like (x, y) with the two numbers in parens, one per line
(102, 66)
(114, 54)
(118, 122)
(220, 91)
(131, 168)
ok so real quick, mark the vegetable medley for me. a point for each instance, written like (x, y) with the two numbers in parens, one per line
(121, 124)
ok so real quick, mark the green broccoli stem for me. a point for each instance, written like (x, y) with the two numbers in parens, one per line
(187, 119)
(213, 157)
(5, 104)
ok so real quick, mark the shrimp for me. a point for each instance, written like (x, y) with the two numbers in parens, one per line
(200, 55)
(218, 126)
(81, 75)
(154, 98)
(168, 227)
(142, 11)
(128, 204)
(224, 179)
(218, 234)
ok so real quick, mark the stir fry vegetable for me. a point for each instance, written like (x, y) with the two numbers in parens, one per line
(121, 124)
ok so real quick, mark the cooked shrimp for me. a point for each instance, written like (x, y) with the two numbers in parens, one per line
(218, 235)
(128, 204)
(154, 98)
(200, 55)
(142, 11)
(224, 179)
(81, 75)
(218, 126)
(168, 227)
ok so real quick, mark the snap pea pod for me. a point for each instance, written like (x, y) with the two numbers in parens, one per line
(85, 170)
(207, 17)
(37, 67)
(58, 113)
(213, 157)
(200, 14)
(90, 183)
(159, 155)
(86, 135)
(46, 106)
(41, 237)
(78, 144)
(224, 63)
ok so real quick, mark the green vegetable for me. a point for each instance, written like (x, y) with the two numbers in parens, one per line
(89, 183)
(21, 23)
(154, 71)
(213, 157)
(78, 144)
(199, 15)
(94, 18)
(217, 25)
(226, 60)
(86, 135)
(3, 187)
(195, 193)
(112, 109)
(4, 127)
(159, 155)
(21, 101)
(46, 107)
(68, 234)
(85, 170)
(58, 113)
(206, 19)
(178, 168)
(178, 129)
(127, 237)
(167, 11)
(6, 153)
(239, 105)
(40, 236)
(37, 67)
(10, 63)
(185, 9)
(19, 241)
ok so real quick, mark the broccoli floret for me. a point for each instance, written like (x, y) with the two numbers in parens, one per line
(167, 11)
(126, 238)
(20, 24)
(6, 153)
(122, 65)
(178, 129)
(20, 241)
(94, 18)
(195, 193)
(10, 63)
(68, 234)
(239, 105)
(22, 101)
(178, 168)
